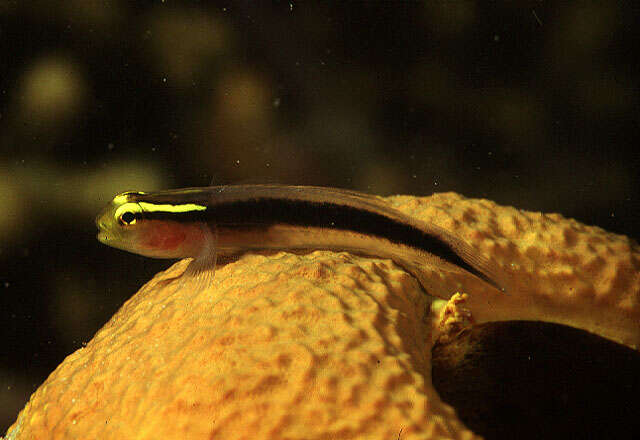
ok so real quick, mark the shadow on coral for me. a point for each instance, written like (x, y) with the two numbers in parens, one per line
(532, 380)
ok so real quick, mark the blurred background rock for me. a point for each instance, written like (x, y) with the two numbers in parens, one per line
(532, 104)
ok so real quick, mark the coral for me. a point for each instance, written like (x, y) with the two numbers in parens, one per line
(325, 345)
(554, 269)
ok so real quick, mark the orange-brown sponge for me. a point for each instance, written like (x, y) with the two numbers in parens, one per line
(323, 345)
(554, 269)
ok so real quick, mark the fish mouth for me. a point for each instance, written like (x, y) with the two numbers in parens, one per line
(102, 237)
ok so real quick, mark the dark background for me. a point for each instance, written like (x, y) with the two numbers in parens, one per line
(531, 104)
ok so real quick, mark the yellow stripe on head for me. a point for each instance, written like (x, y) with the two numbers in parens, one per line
(125, 197)
(185, 207)
(134, 209)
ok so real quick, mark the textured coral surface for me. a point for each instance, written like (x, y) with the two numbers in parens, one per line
(554, 269)
(323, 345)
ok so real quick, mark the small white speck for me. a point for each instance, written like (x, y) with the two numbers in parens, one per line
(110, 146)
(6, 284)
(238, 162)
(276, 102)
(164, 79)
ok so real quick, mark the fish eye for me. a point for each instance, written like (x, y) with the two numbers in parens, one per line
(127, 214)
(127, 218)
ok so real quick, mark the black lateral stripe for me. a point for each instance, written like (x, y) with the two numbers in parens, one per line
(264, 212)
